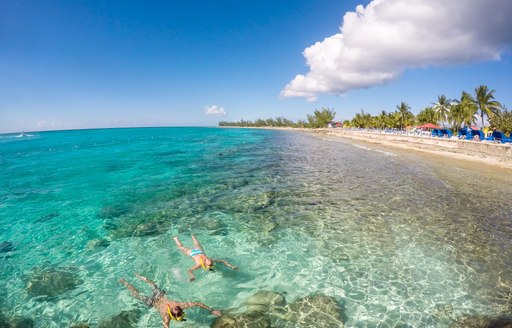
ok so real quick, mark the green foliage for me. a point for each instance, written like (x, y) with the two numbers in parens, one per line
(442, 109)
(463, 111)
(321, 118)
(502, 121)
(426, 115)
(486, 103)
(362, 120)
(405, 116)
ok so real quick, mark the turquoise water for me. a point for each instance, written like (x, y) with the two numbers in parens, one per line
(399, 239)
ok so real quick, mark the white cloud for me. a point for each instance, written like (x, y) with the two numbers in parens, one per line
(378, 42)
(215, 110)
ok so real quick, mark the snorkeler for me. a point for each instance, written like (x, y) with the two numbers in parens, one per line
(169, 310)
(199, 257)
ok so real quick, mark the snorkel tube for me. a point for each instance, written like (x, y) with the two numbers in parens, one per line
(204, 266)
(180, 318)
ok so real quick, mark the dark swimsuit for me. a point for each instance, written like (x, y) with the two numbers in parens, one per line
(157, 294)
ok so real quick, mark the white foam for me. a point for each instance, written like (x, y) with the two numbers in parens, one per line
(376, 150)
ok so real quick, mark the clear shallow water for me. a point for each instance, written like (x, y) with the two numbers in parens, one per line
(398, 239)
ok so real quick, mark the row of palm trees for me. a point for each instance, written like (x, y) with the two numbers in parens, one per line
(319, 119)
(453, 113)
(464, 111)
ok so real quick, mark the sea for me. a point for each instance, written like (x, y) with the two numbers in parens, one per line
(397, 238)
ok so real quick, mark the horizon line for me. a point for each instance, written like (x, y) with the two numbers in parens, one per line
(115, 127)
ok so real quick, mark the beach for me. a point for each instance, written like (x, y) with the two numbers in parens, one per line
(488, 153)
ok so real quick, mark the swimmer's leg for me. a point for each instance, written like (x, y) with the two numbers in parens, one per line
(185, 250)
(196, 243)
(135, 292)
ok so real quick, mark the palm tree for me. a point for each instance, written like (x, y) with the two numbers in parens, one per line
(468, 108)
(362, 120)
(463, 111)
(442, 108)
(404, 112)
(486, 103)
(426, 115)
(382, 119)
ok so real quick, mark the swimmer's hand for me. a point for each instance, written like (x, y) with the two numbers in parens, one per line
(140, 277)
(192, 279)
(217, 313)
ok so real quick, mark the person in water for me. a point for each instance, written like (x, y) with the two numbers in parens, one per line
(169, 310)
(199, 257)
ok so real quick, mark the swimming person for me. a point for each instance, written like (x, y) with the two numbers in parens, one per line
(199, 257)
(169, 310)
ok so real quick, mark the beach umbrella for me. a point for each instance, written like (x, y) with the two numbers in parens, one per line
(427, 126)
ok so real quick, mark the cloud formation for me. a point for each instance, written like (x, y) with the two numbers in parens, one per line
(215, 110)
(378, 42)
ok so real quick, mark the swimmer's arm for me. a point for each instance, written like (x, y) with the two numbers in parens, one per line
(185, 305)
(226, 263)
(191, 274)
(146, 280)
(166, 320)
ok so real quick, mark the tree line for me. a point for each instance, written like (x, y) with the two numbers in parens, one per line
(319, 119)
(451, 113)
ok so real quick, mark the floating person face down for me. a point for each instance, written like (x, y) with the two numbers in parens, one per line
(208, 264)
(176, 313)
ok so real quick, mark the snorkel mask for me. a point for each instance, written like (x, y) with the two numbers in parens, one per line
(206, 267)
(180, 318)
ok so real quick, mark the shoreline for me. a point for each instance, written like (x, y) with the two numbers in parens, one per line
(492, 154)
(499, 155)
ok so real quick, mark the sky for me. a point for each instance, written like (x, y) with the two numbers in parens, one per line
(95, 64)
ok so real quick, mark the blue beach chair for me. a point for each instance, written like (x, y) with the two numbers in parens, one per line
(500, 137)
(436, 133)
(497, 136)
(462, 134)
(477, 135)
(446, 133)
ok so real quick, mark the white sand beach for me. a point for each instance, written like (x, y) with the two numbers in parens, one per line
(488, 153)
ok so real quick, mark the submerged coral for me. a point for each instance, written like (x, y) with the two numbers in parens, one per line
(52, 282)
(125, 319)
(482, 322)
(269, 309)
(6, 246)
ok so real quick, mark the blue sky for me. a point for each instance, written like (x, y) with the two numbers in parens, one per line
(89, 64)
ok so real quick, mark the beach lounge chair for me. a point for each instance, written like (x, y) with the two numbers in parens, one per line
(462, 134)
(500, 137)
(446, 133)
(437, 133)
(477, 135)
(496, 136)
